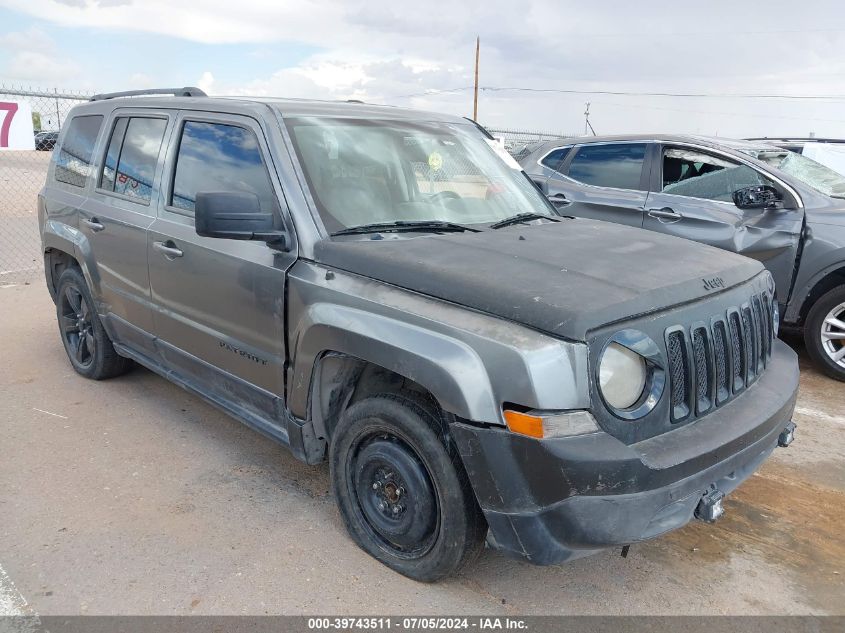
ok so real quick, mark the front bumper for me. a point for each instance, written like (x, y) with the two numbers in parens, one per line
(548, 501)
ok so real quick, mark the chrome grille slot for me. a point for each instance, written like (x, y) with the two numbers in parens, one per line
(708, 364)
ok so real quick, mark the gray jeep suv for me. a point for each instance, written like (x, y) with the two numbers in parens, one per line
(387, 290)
(748, 197)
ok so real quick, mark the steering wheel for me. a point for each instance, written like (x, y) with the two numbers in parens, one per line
(445, 195)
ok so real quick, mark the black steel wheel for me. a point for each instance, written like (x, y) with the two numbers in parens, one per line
(87, 344)
(402, 490)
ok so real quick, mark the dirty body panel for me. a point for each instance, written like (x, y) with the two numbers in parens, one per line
(551, 277)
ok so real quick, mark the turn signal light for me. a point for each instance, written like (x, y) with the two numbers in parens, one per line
(546, 424)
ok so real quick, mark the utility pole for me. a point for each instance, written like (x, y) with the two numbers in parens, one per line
(475, 92)
(588, 127)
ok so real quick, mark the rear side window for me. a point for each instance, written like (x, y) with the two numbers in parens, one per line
(132, 156)
(219, 157)
(617, 165)
(73, 159)
(553, 159)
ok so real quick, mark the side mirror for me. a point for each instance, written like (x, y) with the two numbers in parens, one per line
(236, 215)
(758, 197)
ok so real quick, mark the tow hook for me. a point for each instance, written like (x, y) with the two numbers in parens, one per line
(787, 435)
(710, 507)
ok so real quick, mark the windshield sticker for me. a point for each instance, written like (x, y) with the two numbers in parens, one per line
(498, 146)
(435, 161)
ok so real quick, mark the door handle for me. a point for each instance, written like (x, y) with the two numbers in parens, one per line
(666, 213)
(558, 198)
(94, 224)
(168, 249)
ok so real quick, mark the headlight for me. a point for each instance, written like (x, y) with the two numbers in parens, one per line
(622, 376)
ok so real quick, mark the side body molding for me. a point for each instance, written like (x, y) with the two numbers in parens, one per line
(471, 362)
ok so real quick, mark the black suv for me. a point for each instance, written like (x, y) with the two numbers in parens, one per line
(386, 289)
(748, 197)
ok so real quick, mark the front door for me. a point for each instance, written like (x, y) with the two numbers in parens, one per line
(692, 197)
(219, 303)
(604, 181)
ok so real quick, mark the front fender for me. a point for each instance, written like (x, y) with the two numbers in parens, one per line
(471, 362)
(821, 258)
(448, 368)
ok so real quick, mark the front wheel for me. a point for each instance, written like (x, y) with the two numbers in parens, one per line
(402, 492)
(86, 342)
(824, 333)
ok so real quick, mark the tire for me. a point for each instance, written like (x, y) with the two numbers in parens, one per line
(89, 349)
(822, 334)
(392, 450)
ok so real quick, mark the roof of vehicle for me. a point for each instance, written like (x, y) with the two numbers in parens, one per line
(709, 141)
(287, 107)
(796, 139)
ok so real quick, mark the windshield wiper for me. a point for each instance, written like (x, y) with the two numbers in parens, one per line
(405, 226)
(523, 217)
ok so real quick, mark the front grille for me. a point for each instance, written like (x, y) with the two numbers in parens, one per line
(722, 354)
(723, 357)
(677, 372)
(699, 351)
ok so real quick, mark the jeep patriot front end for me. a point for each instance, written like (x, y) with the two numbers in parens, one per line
(386, 289)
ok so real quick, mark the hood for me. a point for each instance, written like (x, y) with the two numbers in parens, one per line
(565, 278)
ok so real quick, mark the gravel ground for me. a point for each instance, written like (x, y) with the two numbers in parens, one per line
(131, 496)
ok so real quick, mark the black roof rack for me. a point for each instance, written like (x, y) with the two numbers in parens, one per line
(187, 91)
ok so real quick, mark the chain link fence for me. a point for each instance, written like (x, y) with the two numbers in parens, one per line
(516, 140)
(23, 171)
(23, 168)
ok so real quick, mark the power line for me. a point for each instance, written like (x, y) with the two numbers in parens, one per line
(623, 93)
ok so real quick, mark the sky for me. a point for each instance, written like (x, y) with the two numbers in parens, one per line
(421, 55)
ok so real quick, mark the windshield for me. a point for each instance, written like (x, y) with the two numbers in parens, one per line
(821, 178)
(364, 172)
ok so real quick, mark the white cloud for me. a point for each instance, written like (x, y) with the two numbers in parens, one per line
(32, 56)
(380, 51)
(205, 82)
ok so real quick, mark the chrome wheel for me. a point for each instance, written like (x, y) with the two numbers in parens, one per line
(77, 327)
(833, 334)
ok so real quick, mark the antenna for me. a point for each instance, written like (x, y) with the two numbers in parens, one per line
(475, 91)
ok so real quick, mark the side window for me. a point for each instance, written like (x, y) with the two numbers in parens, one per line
(698, 175)
(219, 157)
(73, 158)
(553, 159)
(617, 165)
(132, 156)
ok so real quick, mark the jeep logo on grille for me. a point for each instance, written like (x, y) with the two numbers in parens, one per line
(713, 283)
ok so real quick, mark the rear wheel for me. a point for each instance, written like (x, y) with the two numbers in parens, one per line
(402, 492)
(824, 333)
(88, 347)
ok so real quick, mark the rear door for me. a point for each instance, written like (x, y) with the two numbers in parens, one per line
(692, 197)
(219, 303)
(115, 219)
(604, 181)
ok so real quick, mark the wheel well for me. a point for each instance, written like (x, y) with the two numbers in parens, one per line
(827, 283)
(340, 381)
(55, 263)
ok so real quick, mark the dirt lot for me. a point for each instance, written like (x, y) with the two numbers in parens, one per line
(131, 496)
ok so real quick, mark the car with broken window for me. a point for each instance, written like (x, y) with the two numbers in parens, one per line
(387, 290)
(749, 197)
